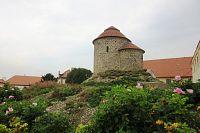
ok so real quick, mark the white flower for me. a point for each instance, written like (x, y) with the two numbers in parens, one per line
(128, 90)
(12, 89)
(34, 104)
(9, 110)
(139, 86)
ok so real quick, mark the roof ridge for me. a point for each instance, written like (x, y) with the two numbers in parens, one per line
(111, 32)
(169, 58)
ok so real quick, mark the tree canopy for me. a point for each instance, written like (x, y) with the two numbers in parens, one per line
(78, 75)
(48, 77)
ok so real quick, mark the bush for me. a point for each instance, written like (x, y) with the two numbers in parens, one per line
(10, 93)
(48, 77)
(94, 95)
(194, 98)
(128, 109)
(25, 110)
(16, 125)
(46, 84)
(32, 92)
(56, 122)
(62, 93)
(78, 75)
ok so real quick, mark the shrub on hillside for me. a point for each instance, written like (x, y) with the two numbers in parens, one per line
(127, 109)
(62, 93)
(78, 75)
(46, 84)
(56, 122)
(94, 95)
(15, 125)
(189, 88)
(8, 93)
(26, 110)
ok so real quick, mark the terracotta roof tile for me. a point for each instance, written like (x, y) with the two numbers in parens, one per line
(169, 68)
(130, 46)
(23, 80)
(111, 32)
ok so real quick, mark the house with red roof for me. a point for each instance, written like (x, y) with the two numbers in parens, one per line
(23, 81)
(166, 69)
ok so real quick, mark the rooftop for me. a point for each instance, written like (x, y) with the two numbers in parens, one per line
(111, 32)
(171, 67)
(130, 46)
(23, 80)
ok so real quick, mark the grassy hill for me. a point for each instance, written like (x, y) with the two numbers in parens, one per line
(115, 106)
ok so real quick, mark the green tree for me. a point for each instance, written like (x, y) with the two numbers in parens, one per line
(78, 75)
(48, 77)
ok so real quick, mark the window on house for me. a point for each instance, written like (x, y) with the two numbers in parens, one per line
(107, 49)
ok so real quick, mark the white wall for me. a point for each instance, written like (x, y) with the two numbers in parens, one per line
(196, 64)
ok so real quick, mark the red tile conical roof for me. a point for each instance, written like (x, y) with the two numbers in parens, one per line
(111, 32)
(130, 46)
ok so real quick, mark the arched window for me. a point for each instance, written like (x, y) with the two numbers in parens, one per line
(107, 49)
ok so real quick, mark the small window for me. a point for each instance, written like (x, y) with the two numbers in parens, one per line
(107, 49)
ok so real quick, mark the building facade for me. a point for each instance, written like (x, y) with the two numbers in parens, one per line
(62, 77)
(196, 64)
(114, 51)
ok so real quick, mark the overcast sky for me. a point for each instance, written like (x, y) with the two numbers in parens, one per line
(41, 36)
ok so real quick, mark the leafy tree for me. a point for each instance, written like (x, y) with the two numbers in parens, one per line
(48, 77)
(78, 75)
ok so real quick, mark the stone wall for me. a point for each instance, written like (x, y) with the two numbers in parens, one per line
(106, 54)
(131, 60)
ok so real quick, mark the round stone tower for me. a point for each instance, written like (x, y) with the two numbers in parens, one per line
(131, 57)
(114, 51)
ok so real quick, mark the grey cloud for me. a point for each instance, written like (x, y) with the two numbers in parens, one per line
(43, 36)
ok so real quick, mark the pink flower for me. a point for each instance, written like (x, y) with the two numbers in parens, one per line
(190, 91)
(179, 91)
(139, 86)
(11, 97)
(9, 110)
(177, 78)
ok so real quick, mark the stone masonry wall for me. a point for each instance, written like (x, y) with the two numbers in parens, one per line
(131, 60)
(106, 54)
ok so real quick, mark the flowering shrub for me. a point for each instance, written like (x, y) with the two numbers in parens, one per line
(26, 110)
(8, 93)
(128, 109)
(186, 87)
